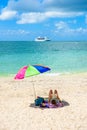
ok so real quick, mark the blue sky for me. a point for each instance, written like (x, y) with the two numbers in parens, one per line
(60, 20)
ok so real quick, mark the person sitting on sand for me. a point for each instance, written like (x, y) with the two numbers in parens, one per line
(54, 97)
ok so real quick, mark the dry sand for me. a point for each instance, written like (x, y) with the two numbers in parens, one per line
(16, 97)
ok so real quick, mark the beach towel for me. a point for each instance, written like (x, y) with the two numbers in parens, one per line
(50, 105)
(47, 105)
(43, 102)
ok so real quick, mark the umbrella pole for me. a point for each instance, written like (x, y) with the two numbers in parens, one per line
(34, 88)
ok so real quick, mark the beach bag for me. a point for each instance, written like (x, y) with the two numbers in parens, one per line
(39, 101)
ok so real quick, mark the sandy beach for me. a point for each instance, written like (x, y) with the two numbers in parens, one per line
(17, 95)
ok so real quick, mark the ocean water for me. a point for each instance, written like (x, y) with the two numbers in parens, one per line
(61, 57)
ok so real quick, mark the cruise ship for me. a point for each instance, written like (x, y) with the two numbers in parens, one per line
(42, 39)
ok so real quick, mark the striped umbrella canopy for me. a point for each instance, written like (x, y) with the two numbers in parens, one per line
(31, 70)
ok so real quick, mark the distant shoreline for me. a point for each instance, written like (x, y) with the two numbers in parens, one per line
(48, 74)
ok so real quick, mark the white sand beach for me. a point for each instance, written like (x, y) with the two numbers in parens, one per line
(17, 95)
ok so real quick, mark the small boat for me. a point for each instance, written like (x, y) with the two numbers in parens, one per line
(41, 39)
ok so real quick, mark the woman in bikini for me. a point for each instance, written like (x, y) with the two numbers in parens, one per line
(53, 100)
(54, 97)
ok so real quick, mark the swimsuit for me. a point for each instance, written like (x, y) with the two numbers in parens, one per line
(54, 97)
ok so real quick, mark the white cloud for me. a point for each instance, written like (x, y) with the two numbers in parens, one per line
(41, 16)
(14, 32)
(24, 5)
(81, 30)
(61, 25)
(30, 11)
(72, 21)
(63, 28)
(7, 14)
(47, 5)
(54, 14)
(66, 5)
(31, 18)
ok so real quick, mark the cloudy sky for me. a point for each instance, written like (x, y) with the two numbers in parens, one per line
(64, 20)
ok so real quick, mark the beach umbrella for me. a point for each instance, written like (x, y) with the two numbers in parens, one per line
(31, 70)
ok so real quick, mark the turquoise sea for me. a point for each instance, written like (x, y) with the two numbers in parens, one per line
(61, 57)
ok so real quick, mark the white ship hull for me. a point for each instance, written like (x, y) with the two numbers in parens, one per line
(42, 39)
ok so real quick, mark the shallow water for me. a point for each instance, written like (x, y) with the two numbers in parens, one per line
(61, 57)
